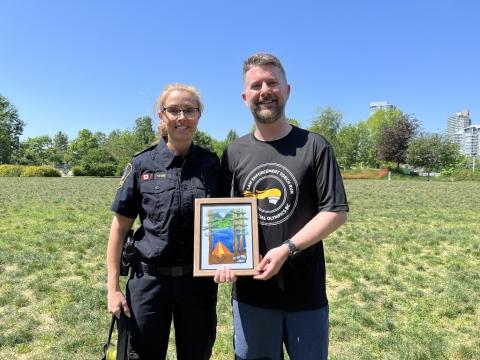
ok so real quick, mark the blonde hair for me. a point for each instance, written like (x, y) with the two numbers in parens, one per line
(159, 105)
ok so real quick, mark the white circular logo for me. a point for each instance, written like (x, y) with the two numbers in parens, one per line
(276, 190)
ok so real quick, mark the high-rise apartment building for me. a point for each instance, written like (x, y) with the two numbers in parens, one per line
(381, 105)
(469, 140)
(463, 133)
(458, 122)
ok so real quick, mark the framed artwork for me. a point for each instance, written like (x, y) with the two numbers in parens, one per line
(226, 234)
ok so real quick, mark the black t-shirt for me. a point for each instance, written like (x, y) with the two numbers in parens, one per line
(160, 188)
(293, 179)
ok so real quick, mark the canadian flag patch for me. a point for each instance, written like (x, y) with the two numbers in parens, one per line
(147, 176)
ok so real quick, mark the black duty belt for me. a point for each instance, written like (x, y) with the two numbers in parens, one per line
(174, 271)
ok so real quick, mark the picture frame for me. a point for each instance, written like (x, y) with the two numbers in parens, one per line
(225, 234)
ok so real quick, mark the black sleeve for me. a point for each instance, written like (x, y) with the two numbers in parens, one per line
(330, 189)
(127, 201)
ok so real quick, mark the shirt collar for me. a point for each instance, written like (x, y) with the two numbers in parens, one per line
(166, 156)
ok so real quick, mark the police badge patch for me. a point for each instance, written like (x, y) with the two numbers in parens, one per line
(126, 172)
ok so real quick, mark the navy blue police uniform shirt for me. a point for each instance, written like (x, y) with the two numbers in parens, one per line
(160, 188)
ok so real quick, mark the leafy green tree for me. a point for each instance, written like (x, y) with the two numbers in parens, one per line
(327, 122)
(348, 146)
(203, 139)
(11, 127)
(36, 150)
(143, 130)
(122, 145)
(98, 162)
(101, 138)
(394, 138)
(231, 136)
(432, 152)
(380, 119)
(60, 141)
(59, 148)
(355, 146)
(222, 145)
(366, 148)
(79, 147)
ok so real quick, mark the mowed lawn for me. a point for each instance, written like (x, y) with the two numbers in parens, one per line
(403, 275)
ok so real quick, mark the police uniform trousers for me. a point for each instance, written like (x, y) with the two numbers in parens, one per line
(155, 299)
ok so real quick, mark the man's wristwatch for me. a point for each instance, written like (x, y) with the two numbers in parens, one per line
(292, 248)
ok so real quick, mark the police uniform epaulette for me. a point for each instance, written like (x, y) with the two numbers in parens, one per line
(146, 149)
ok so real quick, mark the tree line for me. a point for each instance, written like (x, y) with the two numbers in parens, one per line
(391, 138)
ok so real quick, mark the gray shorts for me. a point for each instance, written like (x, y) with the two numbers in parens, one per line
(259, 334)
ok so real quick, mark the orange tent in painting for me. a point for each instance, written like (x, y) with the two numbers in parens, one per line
(221, 250)
(221, 255)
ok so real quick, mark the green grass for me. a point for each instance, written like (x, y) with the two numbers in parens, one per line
(403, 275)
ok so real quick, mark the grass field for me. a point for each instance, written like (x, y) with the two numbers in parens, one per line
(403, 274)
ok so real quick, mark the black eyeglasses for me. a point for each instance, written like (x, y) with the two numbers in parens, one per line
(175, 112)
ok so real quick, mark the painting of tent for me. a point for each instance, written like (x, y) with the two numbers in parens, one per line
(226, 233)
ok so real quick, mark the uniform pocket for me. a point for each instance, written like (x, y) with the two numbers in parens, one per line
(158, 197)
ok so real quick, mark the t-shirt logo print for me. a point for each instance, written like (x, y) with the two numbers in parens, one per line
(273, 195)
(276, 189)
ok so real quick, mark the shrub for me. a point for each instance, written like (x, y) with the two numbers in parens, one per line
(99, 170)
(465, 174)
(94, 170)
(447, 172)
(40, 171)
(10, 170)
(98, 162)
(403, 171)
(78, 171)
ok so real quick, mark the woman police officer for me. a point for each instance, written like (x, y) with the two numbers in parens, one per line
(159, 186)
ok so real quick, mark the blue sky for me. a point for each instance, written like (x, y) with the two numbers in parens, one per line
(69, 65)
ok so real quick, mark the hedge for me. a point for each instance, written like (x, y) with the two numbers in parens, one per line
(10, 170)
(40, 171)
(94, 170)
(28, 171)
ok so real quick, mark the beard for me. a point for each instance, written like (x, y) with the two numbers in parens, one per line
(268, 116)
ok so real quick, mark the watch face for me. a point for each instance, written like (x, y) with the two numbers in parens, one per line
(291, 247)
